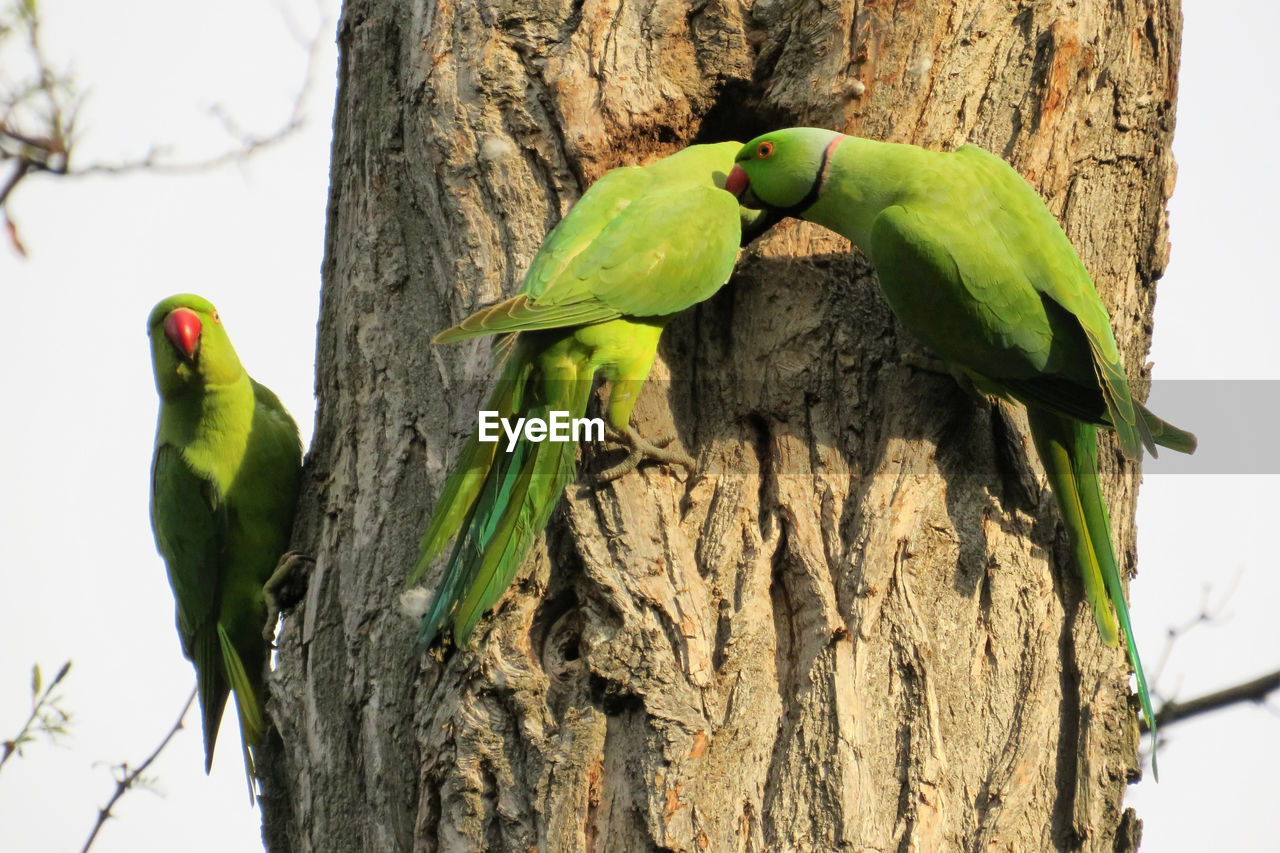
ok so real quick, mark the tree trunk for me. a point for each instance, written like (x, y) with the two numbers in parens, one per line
(857, 627)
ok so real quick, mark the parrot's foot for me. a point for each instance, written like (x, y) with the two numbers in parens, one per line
(971, 384)
(639, 447)
(926, 363)
(285, 588)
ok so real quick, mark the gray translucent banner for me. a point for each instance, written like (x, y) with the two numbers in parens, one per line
(1228, 416)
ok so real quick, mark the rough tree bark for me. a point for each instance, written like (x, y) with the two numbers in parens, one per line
(856, 628)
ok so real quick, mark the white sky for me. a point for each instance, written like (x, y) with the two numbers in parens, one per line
(79, 573)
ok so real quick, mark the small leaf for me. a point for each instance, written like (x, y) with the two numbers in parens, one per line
(36, 681)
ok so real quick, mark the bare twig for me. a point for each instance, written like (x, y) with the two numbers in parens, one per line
(19, 172)
(247, 145)
(1208, 615)
(49, 102)
(1256, 690)
(129, 777)
(45, 716)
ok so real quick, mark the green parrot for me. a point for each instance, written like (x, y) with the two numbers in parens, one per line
(595, 299)
(975, 265)
(224, 482)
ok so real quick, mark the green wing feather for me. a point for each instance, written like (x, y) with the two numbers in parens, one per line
(261, 501)
(600, 204)
(638, 244)
(550, 297)
(641, 245)
(1049, 263)
(946, 286)
(519, 314)
(190, 528)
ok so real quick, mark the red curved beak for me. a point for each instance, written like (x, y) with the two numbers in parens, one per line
(736, 182)
(182, 328)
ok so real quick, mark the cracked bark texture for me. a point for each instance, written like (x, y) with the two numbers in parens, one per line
(857, 627)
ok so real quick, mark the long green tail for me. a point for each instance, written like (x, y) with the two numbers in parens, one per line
(211, 682)
(248, 705)
(1069, 453)
(471, 470)
(496, 502)
(221, 672)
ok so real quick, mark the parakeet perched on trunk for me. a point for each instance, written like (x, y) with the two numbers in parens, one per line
(642, 244)
(224, 482)
(975, 265)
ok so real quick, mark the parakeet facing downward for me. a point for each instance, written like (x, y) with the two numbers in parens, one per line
(224, 482)
(642, 244)
(975, 265)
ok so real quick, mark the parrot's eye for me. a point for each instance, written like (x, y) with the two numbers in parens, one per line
(764, 150)
(216, 319)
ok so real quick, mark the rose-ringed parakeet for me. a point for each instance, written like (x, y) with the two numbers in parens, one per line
(641, 245)
(975, 265)
(224, 482)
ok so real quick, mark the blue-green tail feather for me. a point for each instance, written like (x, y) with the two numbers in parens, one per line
(514, 500)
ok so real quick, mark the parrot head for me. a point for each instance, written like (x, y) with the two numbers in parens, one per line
(189, 344)
(783, 170)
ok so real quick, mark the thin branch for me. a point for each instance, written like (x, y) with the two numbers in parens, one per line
(43, 144)
(41, 702)
(248, 144)
(129, 777)
(20, 170)
(152, 161)
(50, 100)
(1208, 615)
(1251, 691)
(46, 99)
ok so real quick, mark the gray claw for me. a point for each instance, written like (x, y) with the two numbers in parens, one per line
(285, 588)
(642, 448)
